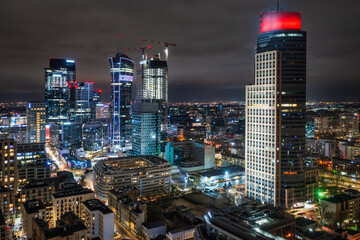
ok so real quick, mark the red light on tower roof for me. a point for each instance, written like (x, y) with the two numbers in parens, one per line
(272, 21)
(99, 90)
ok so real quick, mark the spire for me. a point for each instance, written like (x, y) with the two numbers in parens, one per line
(278, 6)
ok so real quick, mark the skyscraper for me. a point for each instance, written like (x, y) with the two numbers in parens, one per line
(154, 85)
(121, 73)
(35, 128)
(151, 93)
(81, 101)
(60, 73)
(275, 112)
(146, 119)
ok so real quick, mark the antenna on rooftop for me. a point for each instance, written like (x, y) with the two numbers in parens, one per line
(117, 43)
(278, 6)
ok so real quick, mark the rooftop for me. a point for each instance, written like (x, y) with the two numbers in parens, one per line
(222, 171)
(129, 163)
(97, 205)
(72, 193)
(33, 206)
(36, 184)
(153, 224)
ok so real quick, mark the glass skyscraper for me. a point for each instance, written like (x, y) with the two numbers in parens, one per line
(60, 73)
(81, 101)
(146, 126)
(121, 73)
(275, 112)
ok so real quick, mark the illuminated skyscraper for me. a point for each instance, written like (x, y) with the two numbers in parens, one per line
(35, 128)
(81, 101)
(60, 73)
(275, 112)
(121, 73)
(96, 100)
(153, 86)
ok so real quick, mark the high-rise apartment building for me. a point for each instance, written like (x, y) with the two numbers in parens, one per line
(35, 128)
(275, 112)
(81, 101)
(60, 73)
(8, 164)
(121, 73)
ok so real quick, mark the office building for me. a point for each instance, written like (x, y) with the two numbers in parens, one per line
(68, 227)
(146, 124)
(131, 214)
(121, 73)
(98, 219)
(58, 75)
(152, 87)
(275, 112)
(149, 174)
(35, 127)
(96, 100)
(9, 164)
(32, 163)
(69, 200)
(102, 111)
(93, 136)
(81, 101)
(70, 135)
(190, 155)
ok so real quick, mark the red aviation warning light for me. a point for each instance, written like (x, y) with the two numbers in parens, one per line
(272, 21)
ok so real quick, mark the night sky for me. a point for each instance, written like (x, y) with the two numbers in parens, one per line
(215, 41)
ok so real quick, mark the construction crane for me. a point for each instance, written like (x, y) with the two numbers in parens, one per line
(139, 48)
(166, 44)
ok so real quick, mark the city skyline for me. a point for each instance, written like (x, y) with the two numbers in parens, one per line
(213, 59)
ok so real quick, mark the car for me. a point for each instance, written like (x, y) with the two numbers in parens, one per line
(293, 211)
(300, 213)
(312, 210)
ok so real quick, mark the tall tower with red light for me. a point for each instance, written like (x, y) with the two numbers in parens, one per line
(275, 112)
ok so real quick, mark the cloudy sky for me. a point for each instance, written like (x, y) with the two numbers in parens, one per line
(215, 39)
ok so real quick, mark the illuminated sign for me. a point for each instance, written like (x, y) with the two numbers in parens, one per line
(70, 61)
(272, 21)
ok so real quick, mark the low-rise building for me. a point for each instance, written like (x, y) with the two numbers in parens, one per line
(68, 227)
(249, 221)
(339, 208)
(149, 174)
(130, 214)
(30, 210)
(190, 155)
(70, 200)
(182, 233)
(98, 219)
(152, 230)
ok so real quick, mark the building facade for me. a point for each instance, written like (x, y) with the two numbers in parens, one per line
(275, 112)
(121, 73)
(60, 73)
(81, 101)
(146, 124)
(98, 219)
(35, 126)
(148, 174)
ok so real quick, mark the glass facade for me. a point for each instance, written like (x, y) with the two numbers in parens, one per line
(81, 101)
(121, 73)
(60, 73)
